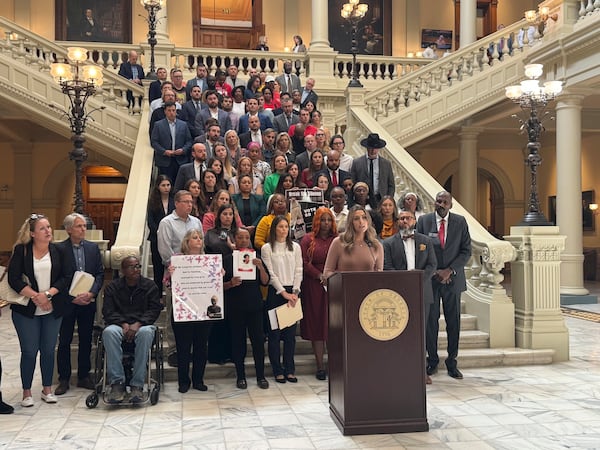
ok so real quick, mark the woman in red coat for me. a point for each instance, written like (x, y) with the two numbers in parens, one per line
(315, 246)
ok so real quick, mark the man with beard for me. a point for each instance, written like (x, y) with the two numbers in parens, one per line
(408, 250)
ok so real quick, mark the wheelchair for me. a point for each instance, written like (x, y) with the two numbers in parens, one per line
(154, 373)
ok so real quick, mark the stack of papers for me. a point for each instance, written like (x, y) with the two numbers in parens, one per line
(285, 316)
(82, 282)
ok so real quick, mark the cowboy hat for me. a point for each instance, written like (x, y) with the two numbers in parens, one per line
(373, 141)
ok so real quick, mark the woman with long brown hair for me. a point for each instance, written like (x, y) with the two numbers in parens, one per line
(315, 246)
(160, 204)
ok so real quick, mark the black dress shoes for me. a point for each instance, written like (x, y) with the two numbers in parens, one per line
(432, 370)
(63, 386)
(262, 383)
(455, 373)
(241, 383)
(200, 387)
(86, 383)
(184, 387)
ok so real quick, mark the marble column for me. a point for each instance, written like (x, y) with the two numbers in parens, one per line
(162, 25)
(467, 168)
(23, 190)
(468, 22)
(320, 56)
(320, 25)
(568, 192)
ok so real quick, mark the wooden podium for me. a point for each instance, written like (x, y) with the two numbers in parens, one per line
(377, 386)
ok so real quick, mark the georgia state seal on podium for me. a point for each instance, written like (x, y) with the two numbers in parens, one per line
(383, 314)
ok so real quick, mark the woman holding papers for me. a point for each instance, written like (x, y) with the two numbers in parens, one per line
(36, 270)
(315, 246)
(244, 308)
(191, 338)
(283, 259)
(358, 249)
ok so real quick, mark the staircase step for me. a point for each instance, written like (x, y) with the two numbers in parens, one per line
(467, 322)
(468, 339)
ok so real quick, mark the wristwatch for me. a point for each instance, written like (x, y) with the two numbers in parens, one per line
(48, 295)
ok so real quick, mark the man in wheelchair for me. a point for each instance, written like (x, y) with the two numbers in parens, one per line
(131, 306)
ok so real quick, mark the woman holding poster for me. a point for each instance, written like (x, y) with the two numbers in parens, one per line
(191, 338)
(283, 259)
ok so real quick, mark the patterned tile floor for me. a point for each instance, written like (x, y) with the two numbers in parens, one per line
(531, 407)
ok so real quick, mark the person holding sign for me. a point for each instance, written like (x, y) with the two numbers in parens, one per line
(244, 305)
(315, 246)
(191, 338)
(283, 259)
(79, 256)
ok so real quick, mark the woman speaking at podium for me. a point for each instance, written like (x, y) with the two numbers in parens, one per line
(357, 249)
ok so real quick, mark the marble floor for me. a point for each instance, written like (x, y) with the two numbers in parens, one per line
(532, 407)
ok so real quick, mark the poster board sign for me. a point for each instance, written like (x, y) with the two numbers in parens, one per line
(242, 264)
(197, 287)
(303, 205)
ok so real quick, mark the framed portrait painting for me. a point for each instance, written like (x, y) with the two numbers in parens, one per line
(93, 20)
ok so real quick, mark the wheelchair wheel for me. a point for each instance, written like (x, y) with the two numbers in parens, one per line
(92, 400)
(154, 396)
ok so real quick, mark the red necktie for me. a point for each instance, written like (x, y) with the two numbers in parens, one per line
(442, 233)
(334, 178)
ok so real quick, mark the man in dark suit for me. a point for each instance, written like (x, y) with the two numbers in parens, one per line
(452, 244)
(191, 108)
(199, 80)
(134, 72)
(308, 94)
(78, 255)
(191, 170)
(374, 170)
(253, 134)
(212, 101)
(252, 108)
(283, 121)
(333, 172)
(90, 28)
(407, 250)
(171, 141)
(155, 91)
(287, 80)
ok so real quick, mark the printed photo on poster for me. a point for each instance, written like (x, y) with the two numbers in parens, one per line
(242, 264)
(303, 203)
(197, 287)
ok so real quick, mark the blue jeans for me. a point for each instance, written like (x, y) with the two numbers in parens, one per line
(37, 334)
(112, 336)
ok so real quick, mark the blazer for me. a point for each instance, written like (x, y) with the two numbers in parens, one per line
(457, 249)
(161, 141)
(154, 217)
(204, 114)
(186, 172)
(93, 262)
(257, 207)
(342, 175)
(159, 114)
(311, 97)
(188, 113)
(360, 172)
(21, 263)
(194, 82)
(126, 71)
(425, 260)
(154, 90)
(280, 124)
(283, 83)
(265, 123)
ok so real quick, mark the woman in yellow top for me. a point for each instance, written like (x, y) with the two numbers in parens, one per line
(276, 206)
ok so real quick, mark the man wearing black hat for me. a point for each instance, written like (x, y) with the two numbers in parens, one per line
(374, 170)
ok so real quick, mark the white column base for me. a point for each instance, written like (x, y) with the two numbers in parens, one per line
(535, 276)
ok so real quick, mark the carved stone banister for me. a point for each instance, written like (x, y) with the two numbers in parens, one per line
(485, 294)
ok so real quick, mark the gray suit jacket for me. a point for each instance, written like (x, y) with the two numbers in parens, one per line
(283, 83)
(360, 172)
(161, 141)
(456, 251)
(204, 114)
(395, 259)
(280, 124)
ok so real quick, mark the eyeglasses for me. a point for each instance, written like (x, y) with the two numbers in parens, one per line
(338, 143)
(320, 135)
(134, 267)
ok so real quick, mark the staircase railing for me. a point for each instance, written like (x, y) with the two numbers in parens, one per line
(28, 81)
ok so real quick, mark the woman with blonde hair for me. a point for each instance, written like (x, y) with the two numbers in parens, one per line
(232, 142)
(222, 155)
(191, 338)
(36, 270)
(283, 143)
(358, 248)
(245, 168)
